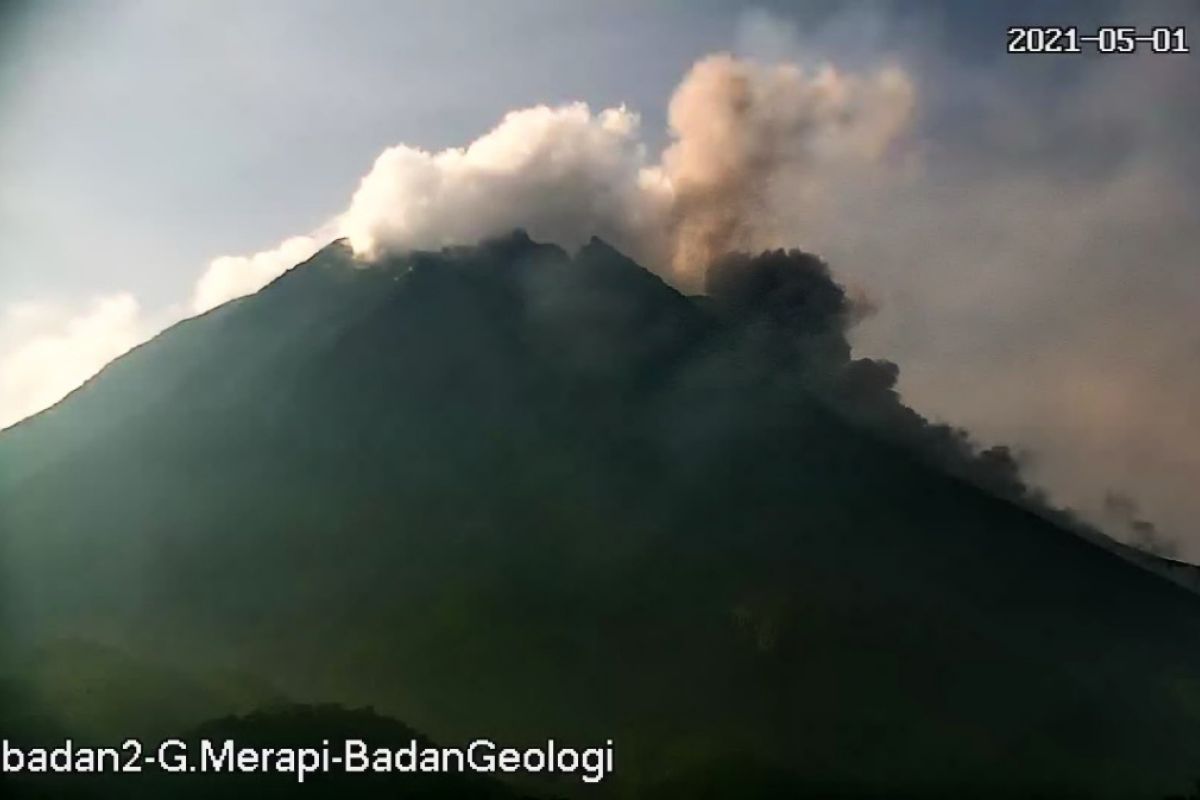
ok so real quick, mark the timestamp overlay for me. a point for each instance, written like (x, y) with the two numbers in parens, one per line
(1165, 39)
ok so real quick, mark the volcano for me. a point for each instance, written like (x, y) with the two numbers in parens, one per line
(512, 492)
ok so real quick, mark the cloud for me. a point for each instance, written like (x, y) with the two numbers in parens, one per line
(751, 140)
(564, 174)
(741, 134)
(230, 277)
(47, 350)
(739, 131)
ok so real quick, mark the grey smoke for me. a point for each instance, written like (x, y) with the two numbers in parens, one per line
(1032, 255)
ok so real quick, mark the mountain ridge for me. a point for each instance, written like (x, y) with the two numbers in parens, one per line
(687, 521)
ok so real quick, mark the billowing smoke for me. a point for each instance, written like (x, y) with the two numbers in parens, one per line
(1125, 512)
(791, 297)
(752, 141)
(747, 141)
(1033, 257)
(564, 174)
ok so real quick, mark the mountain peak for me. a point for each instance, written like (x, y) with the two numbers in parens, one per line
(628, 506)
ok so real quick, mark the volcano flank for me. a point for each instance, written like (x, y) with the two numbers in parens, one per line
(510, 492)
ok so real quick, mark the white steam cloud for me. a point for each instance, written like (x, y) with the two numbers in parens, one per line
(743, 136)
(47, 350)
(748, 141)
(229, 277)
(562, 173)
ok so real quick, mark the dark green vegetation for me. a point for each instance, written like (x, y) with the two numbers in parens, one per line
(500, 491)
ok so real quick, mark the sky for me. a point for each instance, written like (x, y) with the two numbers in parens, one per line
(1027, 231)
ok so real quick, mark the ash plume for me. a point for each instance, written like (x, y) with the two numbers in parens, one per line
(803, 317)
(1126, 513)
(748, 138)
(748, 144)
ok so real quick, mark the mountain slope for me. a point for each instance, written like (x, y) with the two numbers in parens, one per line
(503, 491)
